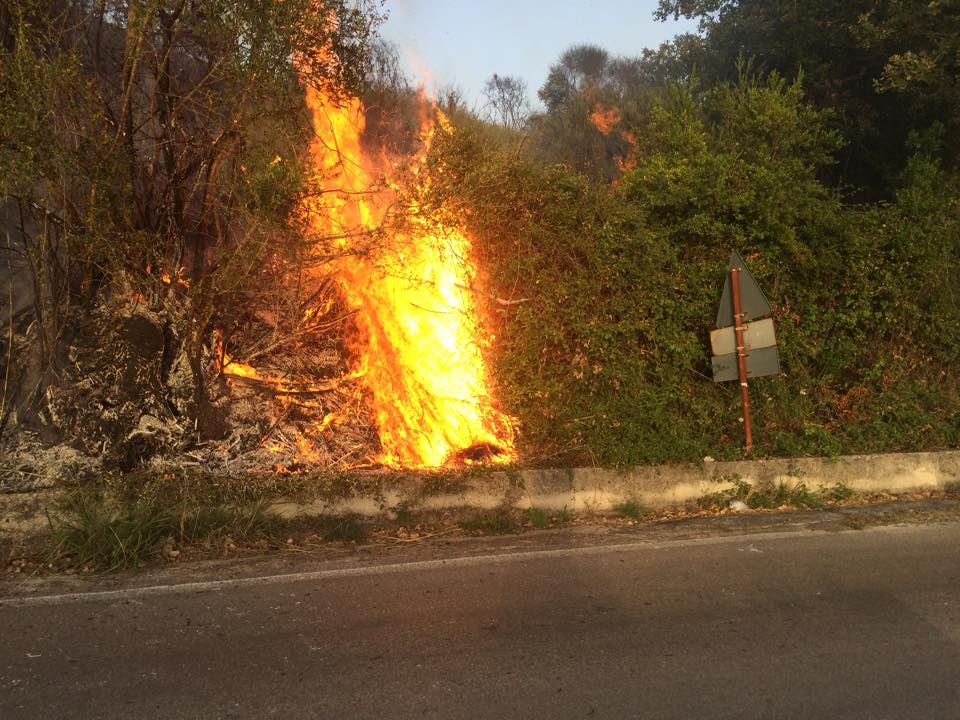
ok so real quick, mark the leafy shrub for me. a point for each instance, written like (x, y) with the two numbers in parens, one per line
(607, 295)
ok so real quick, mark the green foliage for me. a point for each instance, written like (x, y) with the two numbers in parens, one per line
(538, 518)
(602, 248)
(770, 496)
(739, 489)
(839, 492)
(592, 101)
(164, 138)
(203, 112)
(630, 509)
(87, 530)
(886, 69)
(606, 296)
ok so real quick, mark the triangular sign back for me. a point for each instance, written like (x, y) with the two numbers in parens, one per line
(753, 303)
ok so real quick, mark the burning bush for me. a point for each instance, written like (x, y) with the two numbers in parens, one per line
(219, 263)
(230, 214)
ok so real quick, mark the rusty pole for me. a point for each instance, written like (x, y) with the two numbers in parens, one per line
(741, 355)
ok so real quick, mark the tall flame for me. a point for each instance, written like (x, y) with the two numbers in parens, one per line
(420, 348)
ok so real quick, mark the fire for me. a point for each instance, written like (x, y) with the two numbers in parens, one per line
(228, 366)
(607, 120)
(420, 348)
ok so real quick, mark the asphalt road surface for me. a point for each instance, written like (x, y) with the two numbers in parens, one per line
(788, 623)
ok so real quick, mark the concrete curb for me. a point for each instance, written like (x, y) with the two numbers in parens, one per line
(596, 490)
(579, 490)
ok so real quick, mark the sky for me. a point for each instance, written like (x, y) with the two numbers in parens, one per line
(463, 42)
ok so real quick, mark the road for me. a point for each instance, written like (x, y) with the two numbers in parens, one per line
(790, 622)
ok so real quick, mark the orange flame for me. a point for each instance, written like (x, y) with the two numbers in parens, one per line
(606, 121)
(420, 350)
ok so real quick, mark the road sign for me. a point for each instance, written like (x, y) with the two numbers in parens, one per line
(756, 335)
(761, 362)
(753, 303)
(743, 350)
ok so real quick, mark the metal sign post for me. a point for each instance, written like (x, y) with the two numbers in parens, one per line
(739, 328)
(744, 345)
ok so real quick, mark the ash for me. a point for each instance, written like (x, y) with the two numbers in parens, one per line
(120, 395)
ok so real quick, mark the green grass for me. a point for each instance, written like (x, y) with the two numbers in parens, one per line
(630, 509)
(839, 492)
(87, 530)
(774, 496)
(538, 518)
(497, 523)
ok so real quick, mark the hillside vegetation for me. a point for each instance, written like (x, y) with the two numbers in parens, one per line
(817, 138)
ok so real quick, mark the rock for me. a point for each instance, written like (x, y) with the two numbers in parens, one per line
(738, 505)
(169, 549)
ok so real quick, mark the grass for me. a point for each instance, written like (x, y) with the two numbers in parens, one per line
(169, 488)
(839, 492)
(542, 519)
(345, 528)
(630, 509)
(131, 520)
(88, 530)
(772, 495)
(538, 518)
(781, 494)
(496, 523)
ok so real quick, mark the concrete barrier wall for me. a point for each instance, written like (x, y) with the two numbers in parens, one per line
(596, 490)
(579, 490)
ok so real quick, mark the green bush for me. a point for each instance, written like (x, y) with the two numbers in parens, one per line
(607, 295)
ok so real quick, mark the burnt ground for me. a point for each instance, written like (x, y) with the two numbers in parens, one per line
(121, 396)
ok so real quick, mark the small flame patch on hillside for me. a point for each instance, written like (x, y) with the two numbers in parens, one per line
(419, 348)
(605, 119)
(608, 120)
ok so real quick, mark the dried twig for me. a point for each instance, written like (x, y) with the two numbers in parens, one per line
(9, 362)
(314, 328)
(420, 537)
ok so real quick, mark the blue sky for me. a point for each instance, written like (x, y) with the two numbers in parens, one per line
(463, 42)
